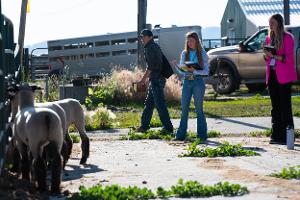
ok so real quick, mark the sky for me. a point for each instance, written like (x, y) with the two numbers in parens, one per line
(58, 19)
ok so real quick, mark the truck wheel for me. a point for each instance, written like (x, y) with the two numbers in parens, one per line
(256, 87)
(225, 84)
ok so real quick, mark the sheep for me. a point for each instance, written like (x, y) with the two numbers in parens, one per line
(67, 145)
(75, 115)
(70, 112)
(38, 130)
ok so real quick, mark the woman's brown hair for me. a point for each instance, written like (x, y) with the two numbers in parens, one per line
(278, 37)
(198, 47)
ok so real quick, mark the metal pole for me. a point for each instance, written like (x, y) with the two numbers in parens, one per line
(26, 64)
(22, 29)
(142, 15)
(286, 11)
(47, 88)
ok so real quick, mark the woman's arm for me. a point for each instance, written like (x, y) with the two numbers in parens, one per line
(288, 48)
(177, 71)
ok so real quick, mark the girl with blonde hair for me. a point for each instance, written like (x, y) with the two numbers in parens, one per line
(280, 73)
(193, 85)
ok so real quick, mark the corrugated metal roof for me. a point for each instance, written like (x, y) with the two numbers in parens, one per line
(259, 11)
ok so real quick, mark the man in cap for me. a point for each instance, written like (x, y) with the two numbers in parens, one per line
(155, 94)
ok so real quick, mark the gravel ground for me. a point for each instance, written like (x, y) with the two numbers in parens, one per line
(154, 163)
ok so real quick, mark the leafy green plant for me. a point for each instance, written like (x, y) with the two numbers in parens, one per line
(75, 138)
(104, 118)
(150, 134)
(163, 135)
(181, 189)
(98, 95)
(195, 189)
(223, 150)
(113, 192)
(53, 88)
(288, 173)
(101, 118)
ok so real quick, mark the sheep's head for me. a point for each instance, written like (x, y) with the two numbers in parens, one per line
(25, 94)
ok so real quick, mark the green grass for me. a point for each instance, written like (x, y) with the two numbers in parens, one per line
(181, 189)
(133, 119)
(163, 135)
(223, 150)
(247, 107)
(268, 132)
(288, 173)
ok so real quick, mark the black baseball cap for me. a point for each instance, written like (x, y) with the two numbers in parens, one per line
(146, 32)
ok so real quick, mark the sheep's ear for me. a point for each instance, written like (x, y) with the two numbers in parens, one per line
(34, 88)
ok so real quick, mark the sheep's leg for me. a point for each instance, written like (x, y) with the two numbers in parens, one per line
(55, 176)
(69, 142)
(25, 164)
(16, 160)
(64, 153)
(13, 157)
(85, 147)
(40, 170)
(85, 142)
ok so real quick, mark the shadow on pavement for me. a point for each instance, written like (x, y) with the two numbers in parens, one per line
(236, 121)
(255, 149)
(79, 170)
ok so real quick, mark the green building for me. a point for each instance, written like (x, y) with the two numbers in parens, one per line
(242, 18)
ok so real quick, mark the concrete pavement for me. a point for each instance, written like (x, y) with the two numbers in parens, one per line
(232, 125)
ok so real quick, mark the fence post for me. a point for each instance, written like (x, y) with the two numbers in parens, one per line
(26, 64)
(2, 96)
(47, 87)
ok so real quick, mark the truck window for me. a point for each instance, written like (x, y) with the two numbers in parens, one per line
(256, 42)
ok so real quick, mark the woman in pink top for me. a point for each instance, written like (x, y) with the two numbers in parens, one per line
(281, 72)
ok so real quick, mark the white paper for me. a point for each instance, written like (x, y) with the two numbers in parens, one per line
(272, 62)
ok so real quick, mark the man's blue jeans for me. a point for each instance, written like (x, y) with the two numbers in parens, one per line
(191, 88)
(155, 98)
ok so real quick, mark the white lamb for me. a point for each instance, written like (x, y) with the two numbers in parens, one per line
(67, 145)
(75, 115)
(38, 130)
(70, 112)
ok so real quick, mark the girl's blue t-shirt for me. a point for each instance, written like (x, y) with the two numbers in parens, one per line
(193, 58)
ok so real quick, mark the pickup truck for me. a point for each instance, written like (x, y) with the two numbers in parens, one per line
(244, 63)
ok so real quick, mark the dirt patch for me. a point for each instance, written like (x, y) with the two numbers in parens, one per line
(213, 163)
(286, 188)
(11, 187)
